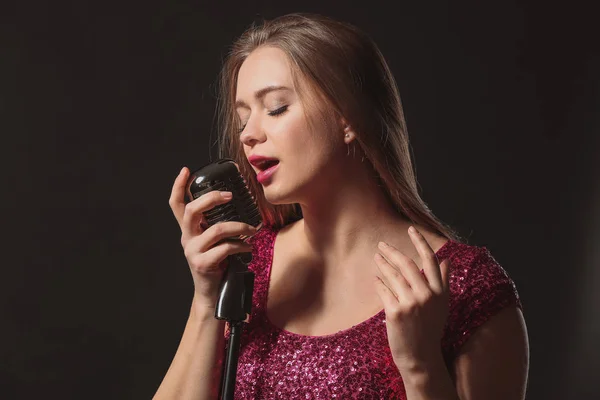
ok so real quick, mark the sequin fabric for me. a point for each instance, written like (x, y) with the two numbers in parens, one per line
(356, 363)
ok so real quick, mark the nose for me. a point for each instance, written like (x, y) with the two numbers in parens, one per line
(252, 133)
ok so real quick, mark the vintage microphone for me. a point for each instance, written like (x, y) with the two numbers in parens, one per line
(234, 301)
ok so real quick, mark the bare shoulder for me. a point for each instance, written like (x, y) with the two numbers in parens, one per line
(494, 363)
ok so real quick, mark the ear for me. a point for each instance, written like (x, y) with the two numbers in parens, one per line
(349, 134)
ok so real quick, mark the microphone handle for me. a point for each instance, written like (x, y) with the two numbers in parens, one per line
(234, 305)
(234, 302)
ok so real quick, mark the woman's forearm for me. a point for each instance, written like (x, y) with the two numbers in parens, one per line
(195, 371)
(432, 382)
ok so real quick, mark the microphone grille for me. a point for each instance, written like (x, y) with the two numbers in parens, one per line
(224, 175)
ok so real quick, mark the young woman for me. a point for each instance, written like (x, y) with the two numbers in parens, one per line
(360, 291)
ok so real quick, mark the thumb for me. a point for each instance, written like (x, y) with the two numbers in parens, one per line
(177, 199)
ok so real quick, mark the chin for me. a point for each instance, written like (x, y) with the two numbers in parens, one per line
(277, 195)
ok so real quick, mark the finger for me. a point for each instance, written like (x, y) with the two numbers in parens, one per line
(210, 260)
(389, 300)
(194, 210)
(177, 199)
(408, 268)
(430, 262)
(224, 231)
(393, 279)
(445, 271)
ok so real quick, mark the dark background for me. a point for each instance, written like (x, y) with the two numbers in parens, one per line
(102, 103)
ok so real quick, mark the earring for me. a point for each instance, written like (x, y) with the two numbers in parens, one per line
(353, 149)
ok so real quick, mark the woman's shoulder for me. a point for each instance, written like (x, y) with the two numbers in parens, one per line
(266, 233)
(262, 247)
(479, 288)
(473, 265)
(263, 243)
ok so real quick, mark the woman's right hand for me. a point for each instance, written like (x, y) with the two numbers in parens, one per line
(206, 248)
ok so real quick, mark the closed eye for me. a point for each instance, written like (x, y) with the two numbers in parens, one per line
(273, 113)
(278, 111)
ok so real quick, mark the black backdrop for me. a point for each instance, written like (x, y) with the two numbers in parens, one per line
(103, 102)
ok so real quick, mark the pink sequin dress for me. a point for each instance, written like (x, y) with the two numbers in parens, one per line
(356, 363)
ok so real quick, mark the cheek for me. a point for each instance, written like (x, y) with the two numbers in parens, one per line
(311, 152)
(291, 135)
(308, 145)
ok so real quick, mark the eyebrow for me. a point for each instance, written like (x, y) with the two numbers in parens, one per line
(259, 94)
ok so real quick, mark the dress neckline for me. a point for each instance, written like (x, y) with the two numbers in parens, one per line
(379, 316)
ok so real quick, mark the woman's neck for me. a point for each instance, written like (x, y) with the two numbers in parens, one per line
(347, 219)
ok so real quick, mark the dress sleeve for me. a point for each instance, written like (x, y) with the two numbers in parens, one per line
(262, 247)
(479, 288)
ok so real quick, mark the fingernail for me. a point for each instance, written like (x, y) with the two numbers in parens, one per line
(383, 244)
(412, 229)
(226, 195)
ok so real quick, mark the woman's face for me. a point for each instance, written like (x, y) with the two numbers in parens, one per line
(277, 125)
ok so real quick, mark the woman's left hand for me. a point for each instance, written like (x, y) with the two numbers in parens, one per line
(416, 304)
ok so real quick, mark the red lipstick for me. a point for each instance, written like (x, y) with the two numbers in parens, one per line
(266, 165)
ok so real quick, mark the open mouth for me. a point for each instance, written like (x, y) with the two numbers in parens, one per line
(266, 171)
(266, 164)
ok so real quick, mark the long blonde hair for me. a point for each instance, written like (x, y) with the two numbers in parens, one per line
(352, 75)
